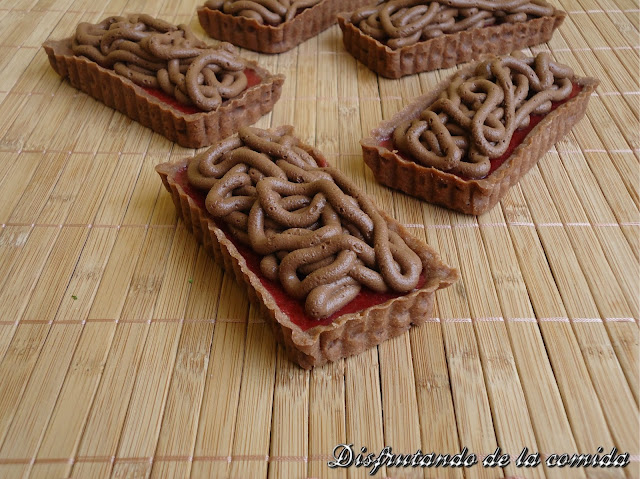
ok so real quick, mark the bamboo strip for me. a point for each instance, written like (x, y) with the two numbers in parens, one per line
(609, 200)
(92, 350)
(606, 373)
(610, 70)
(32, 80)
(548, 418)
(349, 115)
(34, 197)
(253, 423)
(624, 163)
(555, 244)
(399, 401)
(363, 404)
(220, 401)
(126, 349)
(327, 426)
(218, 415)
(144, 414)
(330, 120)
(438, 430)
(510, 415)
(470, 397)
(283, 112)
(306, 86)
(28, 257)
(611, 136)
(18, 169)
(584, 63)
(28, 340)
(615, 249)
(28, 117)
(289, 429)
(64, 429)
(180, 421)
(113, 395)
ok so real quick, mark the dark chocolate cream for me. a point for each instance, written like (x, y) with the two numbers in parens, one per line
(155, 54)
(475, 117)
(317, 233)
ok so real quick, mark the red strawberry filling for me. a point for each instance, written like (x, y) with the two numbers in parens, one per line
(252, 79)
(293, 308)
(517, 138)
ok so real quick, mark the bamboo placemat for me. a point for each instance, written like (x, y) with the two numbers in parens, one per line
(126, 352)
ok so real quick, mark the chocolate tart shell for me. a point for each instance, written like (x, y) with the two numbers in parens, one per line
(472, 197)
(447, 50)
(348, 334)
(248, 33)
(191, 130)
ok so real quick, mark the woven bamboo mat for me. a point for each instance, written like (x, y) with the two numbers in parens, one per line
(126, 352)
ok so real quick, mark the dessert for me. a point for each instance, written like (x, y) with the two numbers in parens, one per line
(162, 76)
(402, 37)
(271, 26)
(331, 273)
(466, 143)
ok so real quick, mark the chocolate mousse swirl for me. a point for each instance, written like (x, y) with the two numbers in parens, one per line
(318, 235)
(155, 54)
(399, 23)
(474, 119)
(265, 12)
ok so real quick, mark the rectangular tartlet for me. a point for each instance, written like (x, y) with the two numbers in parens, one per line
(470, 196)
(248, 33)
(191, 130)
(447, 50)
(309, 343)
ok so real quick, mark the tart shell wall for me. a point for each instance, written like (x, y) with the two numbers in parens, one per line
(446, 189)
(447, 50)
(248, 33)
(350, 333)
(189, 130)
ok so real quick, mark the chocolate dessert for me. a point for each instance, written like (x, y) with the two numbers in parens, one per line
(166, 78)
(402, 37)
(463, 145)
(331, 273)
(271, 26)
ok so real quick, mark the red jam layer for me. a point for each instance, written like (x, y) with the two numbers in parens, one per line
(517, 138)
(292, 307)
(252, 79)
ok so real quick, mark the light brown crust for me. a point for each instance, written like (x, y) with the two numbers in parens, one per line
(447, 50)
(193, 130)
(347, 335)
(248, 33)
(468, 196)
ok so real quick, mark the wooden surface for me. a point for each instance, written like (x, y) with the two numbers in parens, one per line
(126, 352)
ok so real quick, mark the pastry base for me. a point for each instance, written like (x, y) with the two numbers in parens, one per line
(247, 33)
(472, 197)
(193, 130)
(348, 334)
(447, 50)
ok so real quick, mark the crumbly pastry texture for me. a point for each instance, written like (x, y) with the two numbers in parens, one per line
(122, 61)
(403, 37)
(317, 236)
(442, 143)
(271, 26)
(320, 237)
